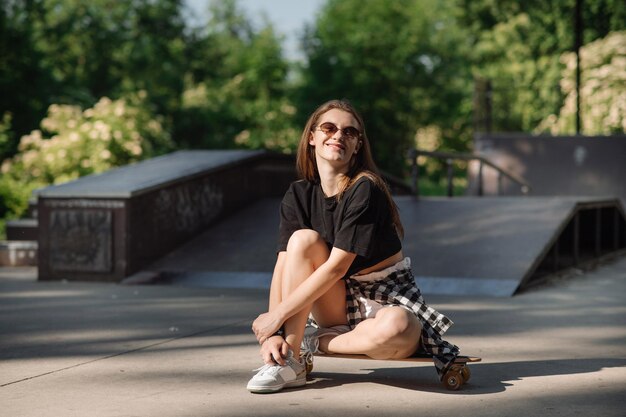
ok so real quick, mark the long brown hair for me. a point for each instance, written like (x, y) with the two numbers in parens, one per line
(361, 165)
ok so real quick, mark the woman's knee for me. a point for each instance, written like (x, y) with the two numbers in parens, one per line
(305, 240)
(396, 324)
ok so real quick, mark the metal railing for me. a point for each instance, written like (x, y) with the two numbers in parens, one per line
(450, 157)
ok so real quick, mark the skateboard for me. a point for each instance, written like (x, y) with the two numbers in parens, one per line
(458, 374)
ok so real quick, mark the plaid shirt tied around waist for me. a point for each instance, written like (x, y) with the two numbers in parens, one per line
(399, 288)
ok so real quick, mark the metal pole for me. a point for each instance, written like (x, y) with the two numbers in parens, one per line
(415, 172)
(488, 105)
(578, 26)
(450, 174)
(598, 237)
(615, 229)
(480, 178)
(576, 240)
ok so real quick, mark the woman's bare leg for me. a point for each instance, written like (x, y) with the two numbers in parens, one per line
(306, 251)
(393, 334)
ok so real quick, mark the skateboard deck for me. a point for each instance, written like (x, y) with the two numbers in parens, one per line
(458, 374)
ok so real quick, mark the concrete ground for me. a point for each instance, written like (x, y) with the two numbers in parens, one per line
(94, 349)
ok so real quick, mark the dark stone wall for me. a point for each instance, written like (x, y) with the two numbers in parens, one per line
(82, 239)
(107, 239)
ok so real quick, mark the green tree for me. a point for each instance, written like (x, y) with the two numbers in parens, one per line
(26, 83)
(518, 46)
(602, 91)
(236, 87)
(152, 57)
(401, 63)
(73, 52)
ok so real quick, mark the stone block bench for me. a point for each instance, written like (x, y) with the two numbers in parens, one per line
(108, 226)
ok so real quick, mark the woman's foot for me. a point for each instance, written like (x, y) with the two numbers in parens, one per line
(273, 378)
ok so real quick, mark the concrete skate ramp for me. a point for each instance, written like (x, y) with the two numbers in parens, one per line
(237, 252)
(479, 246)
(497, 246)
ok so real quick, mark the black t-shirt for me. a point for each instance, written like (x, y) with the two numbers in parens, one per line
(360, 222)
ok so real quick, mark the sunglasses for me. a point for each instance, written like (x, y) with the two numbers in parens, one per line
(329, 129)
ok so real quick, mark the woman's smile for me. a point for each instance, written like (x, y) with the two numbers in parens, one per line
(336, 145)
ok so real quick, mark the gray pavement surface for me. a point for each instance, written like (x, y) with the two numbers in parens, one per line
(96, 349)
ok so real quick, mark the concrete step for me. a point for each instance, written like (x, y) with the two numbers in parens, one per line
(18, 253)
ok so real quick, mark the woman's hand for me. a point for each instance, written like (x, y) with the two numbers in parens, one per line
(274, 351)
(265, 326)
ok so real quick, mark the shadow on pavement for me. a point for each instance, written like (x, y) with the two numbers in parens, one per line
(487, 378)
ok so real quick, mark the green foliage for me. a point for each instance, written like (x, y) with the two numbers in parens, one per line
(73, 142)
(402, 63)
(439, 187)
(602, 91)
(105, 48)
(222, 116)
(237, 98)
(220, 86)
(153, 54)
(26, 84)
(5, 133)
(73, 52)
(408, 65)
(15, 194)
(518, 45)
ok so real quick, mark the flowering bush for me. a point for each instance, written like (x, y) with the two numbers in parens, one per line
(74, 142)
(602, 91)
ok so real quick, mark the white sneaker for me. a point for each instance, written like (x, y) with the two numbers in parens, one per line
(273, 378)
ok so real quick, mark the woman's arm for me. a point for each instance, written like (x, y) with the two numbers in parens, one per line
(275, 293)
(317, 284)
(310, 290)
(275, 349)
